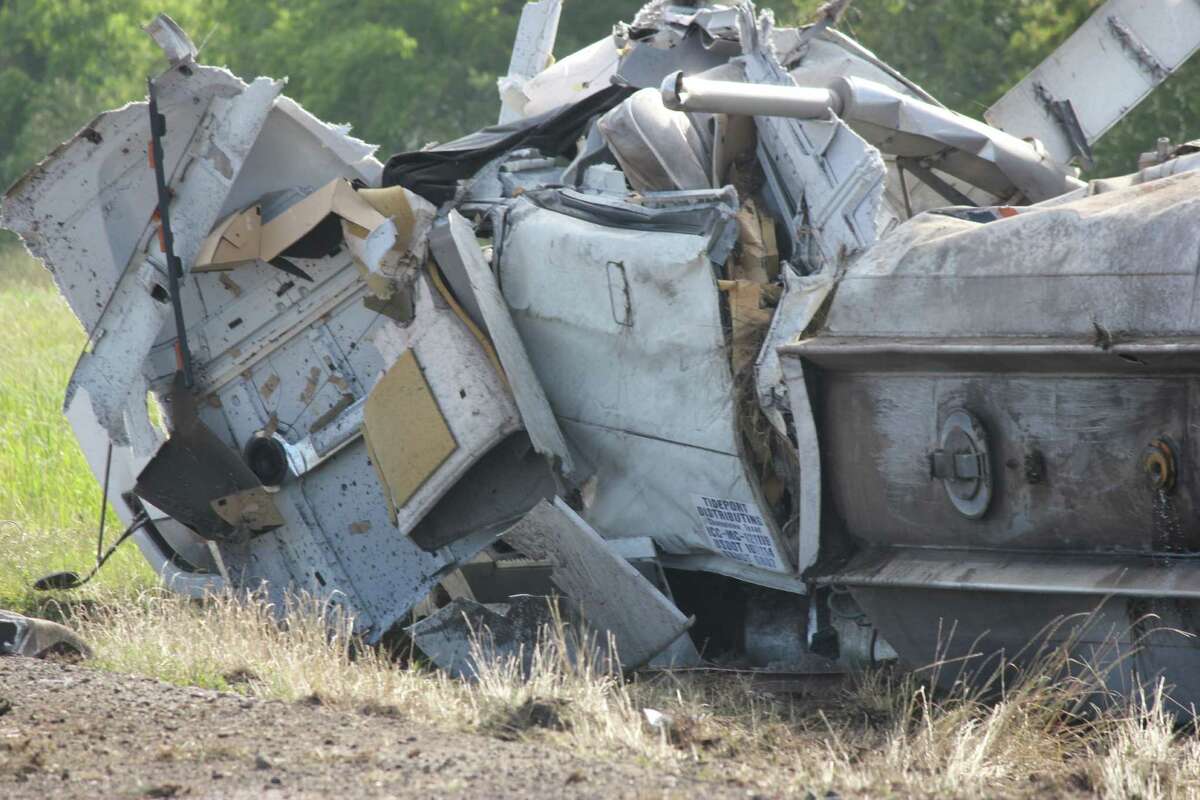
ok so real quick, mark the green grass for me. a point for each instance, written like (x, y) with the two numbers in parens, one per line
(49, 500)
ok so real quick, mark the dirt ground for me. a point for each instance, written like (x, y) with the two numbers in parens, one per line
(72, 732)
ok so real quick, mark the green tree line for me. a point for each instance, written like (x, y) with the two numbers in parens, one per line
(407, 72)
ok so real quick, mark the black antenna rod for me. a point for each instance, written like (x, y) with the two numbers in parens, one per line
(158, 128)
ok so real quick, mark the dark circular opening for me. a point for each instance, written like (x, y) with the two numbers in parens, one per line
(267, 460)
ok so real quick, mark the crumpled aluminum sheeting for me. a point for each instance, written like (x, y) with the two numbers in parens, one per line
(823, 176)
(982, 155)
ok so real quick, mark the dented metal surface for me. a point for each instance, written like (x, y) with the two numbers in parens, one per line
(1128, 47)
(693, 338)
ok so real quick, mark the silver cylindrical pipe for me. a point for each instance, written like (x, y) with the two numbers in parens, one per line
(681, 93)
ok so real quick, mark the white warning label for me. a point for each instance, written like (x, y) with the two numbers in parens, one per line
(738, 531)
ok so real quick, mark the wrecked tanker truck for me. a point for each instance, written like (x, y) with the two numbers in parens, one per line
(726, 332)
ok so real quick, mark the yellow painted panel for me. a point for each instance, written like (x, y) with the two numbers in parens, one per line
(405, 431)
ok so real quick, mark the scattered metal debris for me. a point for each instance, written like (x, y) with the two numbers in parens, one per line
(462, 633)
(39, 638)
(690, 340)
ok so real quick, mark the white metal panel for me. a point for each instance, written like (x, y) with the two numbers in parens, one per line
(624, 329)
(613, 596)
(575, 78)
(1108, 66)
(622, 325)
(648, 487)
(134, 315)
(530, 395)
(531, 53)
(91, 200)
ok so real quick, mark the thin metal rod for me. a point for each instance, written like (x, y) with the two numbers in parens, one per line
(158, 127)
(104, 502)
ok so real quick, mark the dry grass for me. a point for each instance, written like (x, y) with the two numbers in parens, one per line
(885, 733)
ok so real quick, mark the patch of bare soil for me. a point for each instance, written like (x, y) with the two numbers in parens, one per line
(73, 732)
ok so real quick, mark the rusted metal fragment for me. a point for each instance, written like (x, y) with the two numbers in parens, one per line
(252, 509)
(230, 284)
(344, 402)
(311, 385)
(269, 386)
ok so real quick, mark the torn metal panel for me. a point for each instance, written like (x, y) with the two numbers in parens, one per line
(462, 375)
(647, 59)
(533, 51)
(192, 471)
(831, 54)
(652, 458)
(126, 331)
(611, 595)
(493, 494)
(271, 358)
(172, 40)
(672, 356)
(1127, 47)
(108, 155)
(823, 178)
(530, 396)
(992, 160)
(453, 270)
(810, 495)
(163, 540)
(803, 297)
(573, 79)
(341, 535)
